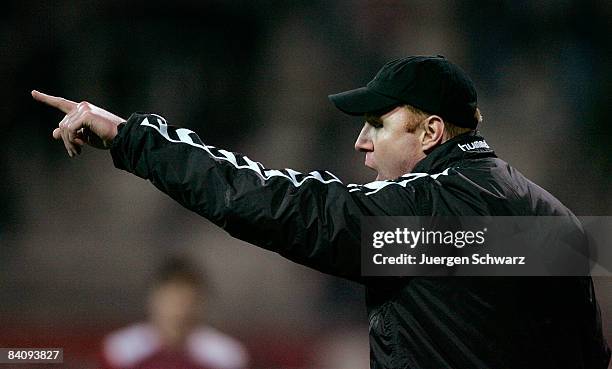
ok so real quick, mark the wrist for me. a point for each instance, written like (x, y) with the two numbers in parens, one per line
(113, 134)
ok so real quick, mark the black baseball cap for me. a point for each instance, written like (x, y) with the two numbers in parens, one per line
(430, 83)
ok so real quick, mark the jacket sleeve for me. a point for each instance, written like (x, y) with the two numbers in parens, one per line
(312, 219)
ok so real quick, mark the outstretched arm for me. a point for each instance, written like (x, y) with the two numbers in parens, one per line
(310, 218)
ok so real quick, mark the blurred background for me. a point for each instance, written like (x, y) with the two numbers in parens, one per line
(79, 240)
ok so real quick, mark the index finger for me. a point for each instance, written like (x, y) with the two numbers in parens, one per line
(62, 104)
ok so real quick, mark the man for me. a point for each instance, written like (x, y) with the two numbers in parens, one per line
(420, 137)
(173, 337)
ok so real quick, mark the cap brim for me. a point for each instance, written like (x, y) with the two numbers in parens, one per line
(362, 100)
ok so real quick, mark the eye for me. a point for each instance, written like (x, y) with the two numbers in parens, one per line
(375, 124)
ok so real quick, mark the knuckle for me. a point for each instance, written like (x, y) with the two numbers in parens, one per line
(84, 105)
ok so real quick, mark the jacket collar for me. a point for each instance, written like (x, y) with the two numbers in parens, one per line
(470, 145)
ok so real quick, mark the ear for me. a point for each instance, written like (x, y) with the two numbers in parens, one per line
(433, 133)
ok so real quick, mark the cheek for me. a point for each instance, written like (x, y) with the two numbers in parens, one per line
(395, 148)
(403, 154)
(410, 143)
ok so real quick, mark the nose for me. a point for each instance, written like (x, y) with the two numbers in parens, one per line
(364, 141)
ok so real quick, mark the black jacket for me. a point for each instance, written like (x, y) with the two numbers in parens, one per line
(314, 220)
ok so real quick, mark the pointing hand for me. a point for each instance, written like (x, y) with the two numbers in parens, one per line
(84, 123)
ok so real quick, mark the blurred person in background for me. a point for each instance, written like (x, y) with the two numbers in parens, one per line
(173, 337)
(420, 136)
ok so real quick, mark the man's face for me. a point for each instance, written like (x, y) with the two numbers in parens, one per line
(173, 308)
(390, 148)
